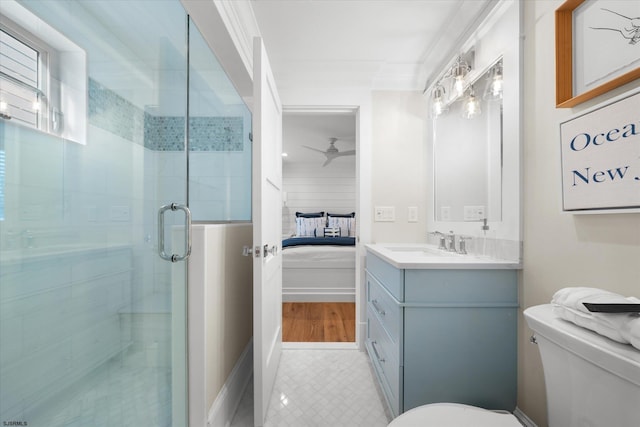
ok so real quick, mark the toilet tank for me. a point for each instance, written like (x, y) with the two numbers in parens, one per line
(591, 381)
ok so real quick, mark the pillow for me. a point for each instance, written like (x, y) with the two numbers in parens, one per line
(346, 223)
(309, 215)
(348, 215)
(328, 232)
(306, 227)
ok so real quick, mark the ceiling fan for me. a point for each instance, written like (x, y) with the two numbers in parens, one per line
(332, 152)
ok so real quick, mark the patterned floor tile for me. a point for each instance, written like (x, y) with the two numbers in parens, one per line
(320, 388)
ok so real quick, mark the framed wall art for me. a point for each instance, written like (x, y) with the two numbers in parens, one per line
(601, 158)
(597, 48)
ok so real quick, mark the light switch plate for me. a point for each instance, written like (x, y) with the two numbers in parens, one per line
(384, 214)
(412, 214)
(445, 213)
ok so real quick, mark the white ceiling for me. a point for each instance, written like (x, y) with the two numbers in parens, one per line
(357, 44)
(314, 130)
(375, 44)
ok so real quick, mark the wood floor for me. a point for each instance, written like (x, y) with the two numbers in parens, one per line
(318, 322)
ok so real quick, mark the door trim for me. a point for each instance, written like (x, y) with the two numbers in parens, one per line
(359, 285)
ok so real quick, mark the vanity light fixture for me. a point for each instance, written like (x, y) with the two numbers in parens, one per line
(458, 72)
(493, 90)
(471, 107)
(438, 104)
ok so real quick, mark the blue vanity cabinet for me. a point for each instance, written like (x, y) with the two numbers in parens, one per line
(442, 335)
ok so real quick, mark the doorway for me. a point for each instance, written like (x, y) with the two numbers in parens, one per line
(319, 179)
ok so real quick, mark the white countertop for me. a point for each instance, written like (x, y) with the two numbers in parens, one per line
(423, 256)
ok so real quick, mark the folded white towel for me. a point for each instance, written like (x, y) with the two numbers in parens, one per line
(634, 332)
(620, 327)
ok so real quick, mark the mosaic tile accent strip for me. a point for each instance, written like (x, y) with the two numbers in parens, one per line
(113, 113)
(164, 133)
(216, 134)
(205, 133)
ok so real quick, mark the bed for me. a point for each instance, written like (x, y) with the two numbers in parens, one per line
(318, 268)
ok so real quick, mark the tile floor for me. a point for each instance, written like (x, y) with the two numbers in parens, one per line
(124, 392)
(320, 388)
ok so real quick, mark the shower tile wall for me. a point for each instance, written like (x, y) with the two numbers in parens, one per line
(65, 199)
(61, 319)
(220, 185)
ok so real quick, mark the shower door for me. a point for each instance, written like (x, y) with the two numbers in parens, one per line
(92, 318)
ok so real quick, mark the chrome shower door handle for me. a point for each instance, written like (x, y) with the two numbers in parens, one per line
(187, 235)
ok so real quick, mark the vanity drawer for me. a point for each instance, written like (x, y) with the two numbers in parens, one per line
(383, 354)
(385, 308)
(390, 277)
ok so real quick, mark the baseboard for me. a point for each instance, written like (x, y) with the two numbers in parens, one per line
(224, 407)
(318, 296)
(319, 346)
(522, 417)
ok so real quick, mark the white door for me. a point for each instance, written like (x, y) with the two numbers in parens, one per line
(267, 231)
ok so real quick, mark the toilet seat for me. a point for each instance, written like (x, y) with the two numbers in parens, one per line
(453, 415)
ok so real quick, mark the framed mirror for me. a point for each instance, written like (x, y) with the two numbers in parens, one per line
(468, 152)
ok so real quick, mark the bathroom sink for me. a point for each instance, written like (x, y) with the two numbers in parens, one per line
(425, 256)
(423, 250)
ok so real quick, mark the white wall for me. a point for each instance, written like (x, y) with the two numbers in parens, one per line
(560, 249)
(313, 188)
(220, 312)
(399, 159)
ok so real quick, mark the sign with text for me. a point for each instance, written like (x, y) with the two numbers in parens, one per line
(601, 157)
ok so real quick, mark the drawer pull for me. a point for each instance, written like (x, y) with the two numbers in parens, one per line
(374, 302)
(375, 350)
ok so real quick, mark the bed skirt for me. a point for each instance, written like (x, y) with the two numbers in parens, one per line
(318, 274)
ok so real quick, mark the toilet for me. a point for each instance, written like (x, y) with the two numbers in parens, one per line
(589, 379)
(454, 415)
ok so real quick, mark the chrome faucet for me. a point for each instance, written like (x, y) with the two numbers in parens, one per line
(452, 241)
(463, 244)
(442, 245)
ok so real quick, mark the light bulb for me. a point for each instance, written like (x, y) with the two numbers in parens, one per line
(496, 87)
(458, 86)
(438, 105)
(493, 90)
(471, 106)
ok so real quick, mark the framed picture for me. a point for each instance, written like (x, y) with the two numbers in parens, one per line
(597, 48)
(601, 158)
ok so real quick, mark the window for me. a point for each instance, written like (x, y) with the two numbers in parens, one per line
(43, 76)
(21, 80)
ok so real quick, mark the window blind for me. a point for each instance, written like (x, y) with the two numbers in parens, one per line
(18, 79)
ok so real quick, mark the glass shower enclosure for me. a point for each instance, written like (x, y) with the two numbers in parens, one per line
(92, 319)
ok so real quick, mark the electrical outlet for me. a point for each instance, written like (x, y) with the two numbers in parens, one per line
(474, 213)
(384, 214)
